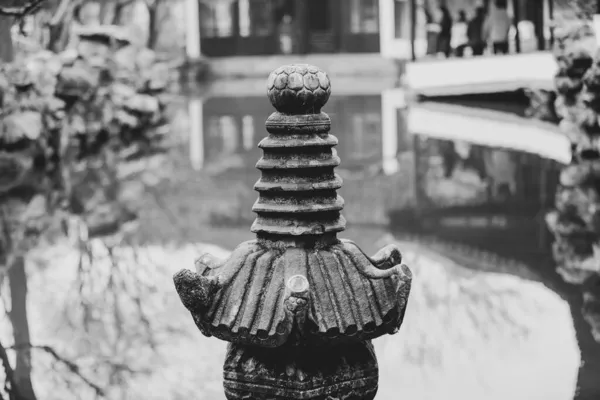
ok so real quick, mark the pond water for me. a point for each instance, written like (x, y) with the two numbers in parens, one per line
(488, 318)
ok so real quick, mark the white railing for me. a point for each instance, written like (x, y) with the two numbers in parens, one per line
(483, 74)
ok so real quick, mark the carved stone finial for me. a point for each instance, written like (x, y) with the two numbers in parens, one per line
(298, 305)
(298, 89)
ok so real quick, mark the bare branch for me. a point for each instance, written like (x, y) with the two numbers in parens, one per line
(71, 366)
(9, 385)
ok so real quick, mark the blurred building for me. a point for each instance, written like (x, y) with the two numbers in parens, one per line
(394, 28)
(403, 23)
(267, 27)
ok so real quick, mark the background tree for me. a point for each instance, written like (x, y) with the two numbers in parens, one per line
(69, 122)
(575, 223)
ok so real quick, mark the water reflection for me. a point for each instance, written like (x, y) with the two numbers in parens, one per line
(486, 309)
(474, 335)
(232, 127)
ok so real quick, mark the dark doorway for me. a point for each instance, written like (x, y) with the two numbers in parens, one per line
(321, 37)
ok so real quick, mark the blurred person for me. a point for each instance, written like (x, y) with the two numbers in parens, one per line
(475, 32)
(460, 40)
(498, 26)
(286, 42)
(445, 36)
(527, 37)
(450, 158)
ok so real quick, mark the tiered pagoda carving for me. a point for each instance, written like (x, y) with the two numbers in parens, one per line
(298, 305)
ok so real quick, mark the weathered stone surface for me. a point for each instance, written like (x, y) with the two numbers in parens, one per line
(339, 372)
(298, 304)
(349, 298)
(298, 89)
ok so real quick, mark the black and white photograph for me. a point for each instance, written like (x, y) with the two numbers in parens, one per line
(299, 199)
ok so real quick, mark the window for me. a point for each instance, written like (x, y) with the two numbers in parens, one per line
(216, 19)
(257, 17)
(364, 16)
(402, 19)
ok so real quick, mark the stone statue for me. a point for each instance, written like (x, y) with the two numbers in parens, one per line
(298, 305)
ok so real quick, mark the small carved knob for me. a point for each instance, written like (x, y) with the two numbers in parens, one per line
(298, 89)
(298, 287)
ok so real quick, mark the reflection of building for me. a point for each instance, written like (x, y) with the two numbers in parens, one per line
(503, 184)
(512, 225)
(235, 126)
(489, 128)
(228, 129)
(372, 130)
(254, 27)
(508, 225)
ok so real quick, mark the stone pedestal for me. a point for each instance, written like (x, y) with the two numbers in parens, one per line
(292, 372)
(298, 305)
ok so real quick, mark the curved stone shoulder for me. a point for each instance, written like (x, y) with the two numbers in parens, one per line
(356, 297)
(268, 296)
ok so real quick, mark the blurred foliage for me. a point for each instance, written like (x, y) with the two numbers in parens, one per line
(575, 222)
(78, 130)
(67, 121)
(575, 9)
(154, 22)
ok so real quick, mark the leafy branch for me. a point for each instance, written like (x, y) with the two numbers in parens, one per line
(70, 121)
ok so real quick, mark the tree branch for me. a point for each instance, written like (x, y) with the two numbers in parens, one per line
(71, 366)
(8, 371)
(17, 279)
(59, 15)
